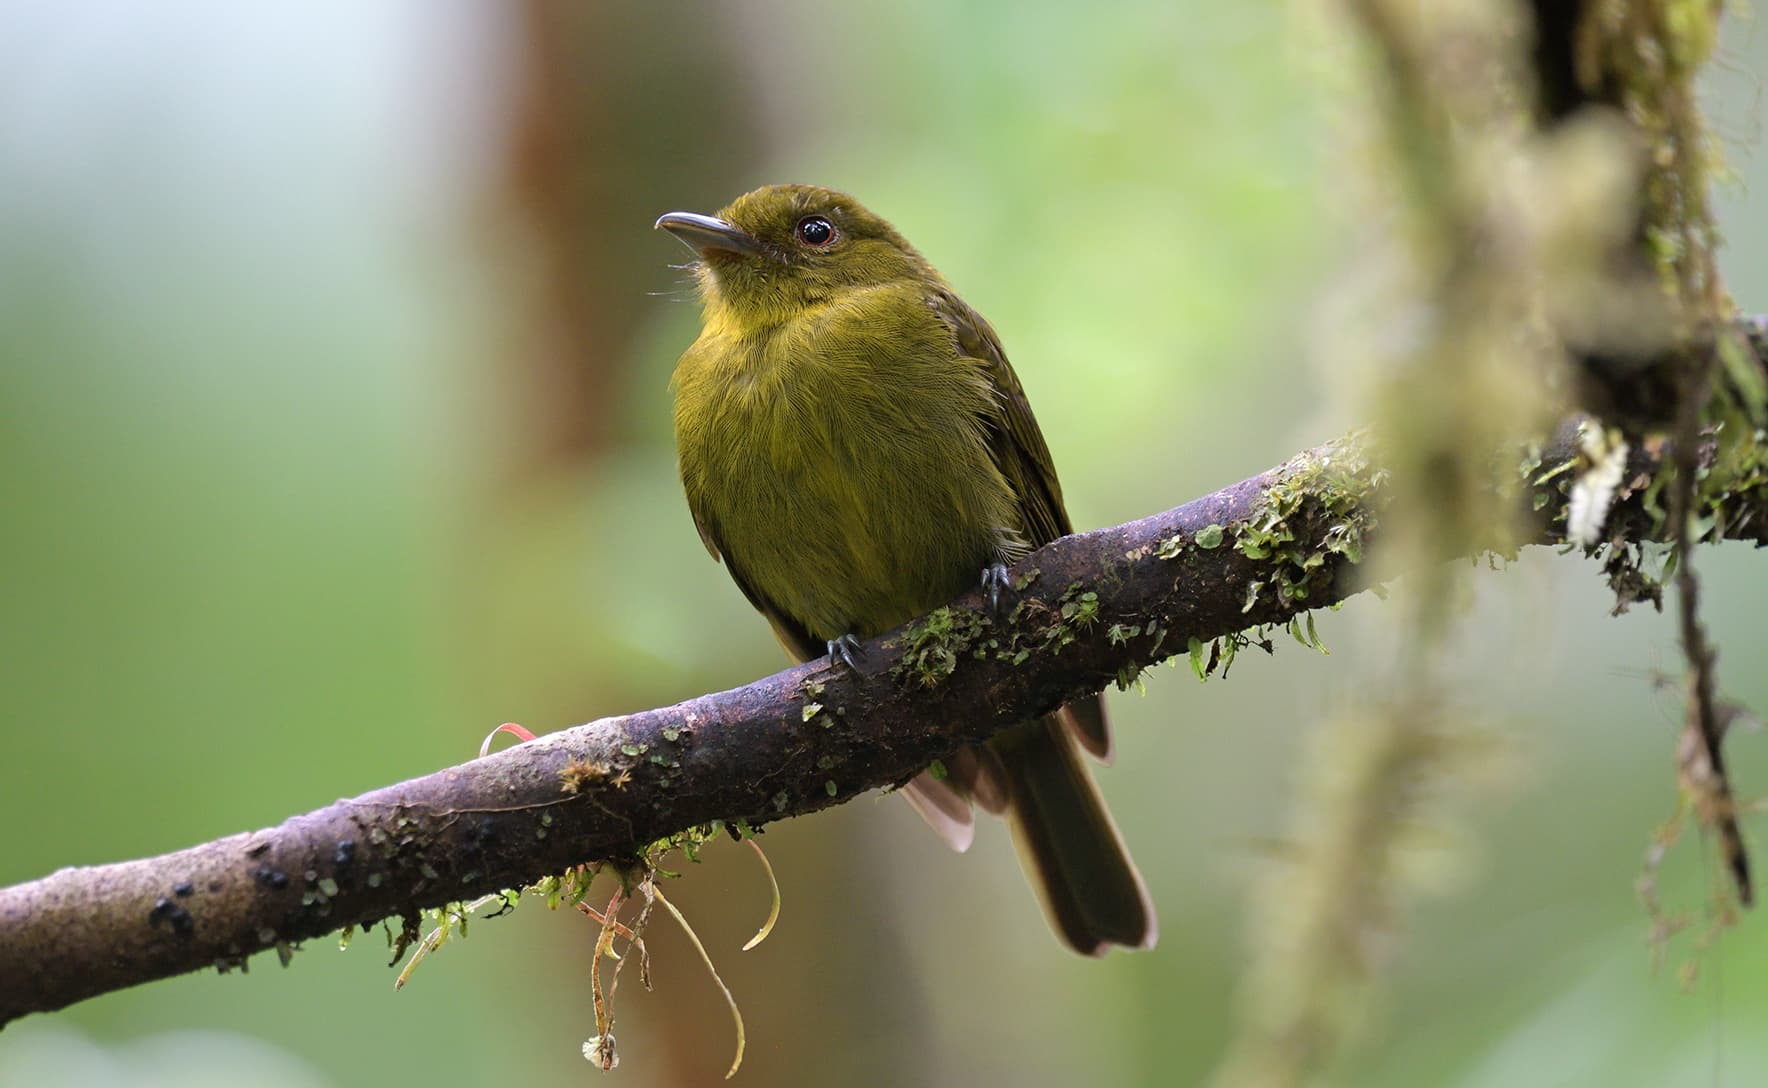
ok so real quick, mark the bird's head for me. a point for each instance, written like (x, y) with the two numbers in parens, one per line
(776, 251)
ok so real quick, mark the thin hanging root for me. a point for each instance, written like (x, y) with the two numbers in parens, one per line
(648, 890)
(773, 914)
(1702, 776)
(1663, 924)
(604, 1022)
(619, 928)
(707, 960)
(644, 917)
(432, 940)
(521, 734)
(1702, 755)
(435, 937)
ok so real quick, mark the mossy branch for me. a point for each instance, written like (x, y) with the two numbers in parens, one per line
(1088, 610)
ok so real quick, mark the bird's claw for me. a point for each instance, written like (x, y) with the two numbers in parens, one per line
(845, 649)
(994, 585)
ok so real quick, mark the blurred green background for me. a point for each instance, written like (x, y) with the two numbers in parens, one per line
(334, 430)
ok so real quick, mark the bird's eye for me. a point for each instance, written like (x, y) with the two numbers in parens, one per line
(814, 230)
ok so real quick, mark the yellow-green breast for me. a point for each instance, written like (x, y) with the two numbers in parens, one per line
(839, 460)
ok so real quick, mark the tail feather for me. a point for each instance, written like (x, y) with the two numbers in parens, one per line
(946, 810)
(1069, 845)
(977, 772)
(1086, 717)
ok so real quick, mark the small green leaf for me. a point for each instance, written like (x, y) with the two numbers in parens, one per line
(1209, 537)
(1196, 649)
(811, 710)
(1745, 374)
(1314, 637)
(937, 770)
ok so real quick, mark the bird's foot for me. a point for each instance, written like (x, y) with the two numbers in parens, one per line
(994, 586)
(845, 649)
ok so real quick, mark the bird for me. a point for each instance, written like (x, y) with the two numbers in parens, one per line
(857, 451)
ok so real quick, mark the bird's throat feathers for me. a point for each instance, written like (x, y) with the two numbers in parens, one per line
(750, 297)
(741, 300)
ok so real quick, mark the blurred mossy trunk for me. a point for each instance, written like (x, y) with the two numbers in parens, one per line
(1548, 165)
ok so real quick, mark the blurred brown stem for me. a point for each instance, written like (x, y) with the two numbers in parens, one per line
(1089, 609)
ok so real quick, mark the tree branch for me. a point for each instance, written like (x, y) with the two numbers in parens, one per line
(1088, 610)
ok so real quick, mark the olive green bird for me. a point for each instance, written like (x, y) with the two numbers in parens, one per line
(857, 450)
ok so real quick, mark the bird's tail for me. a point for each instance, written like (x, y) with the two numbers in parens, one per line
(1070, 849)
(1068, 844)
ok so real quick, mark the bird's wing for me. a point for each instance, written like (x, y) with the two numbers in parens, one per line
(798, 642)
(1024, 460)
(1014, 439)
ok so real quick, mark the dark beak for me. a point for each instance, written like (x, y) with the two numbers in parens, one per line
(704, 233)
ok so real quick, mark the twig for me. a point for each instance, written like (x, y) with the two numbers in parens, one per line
(1704, 776)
